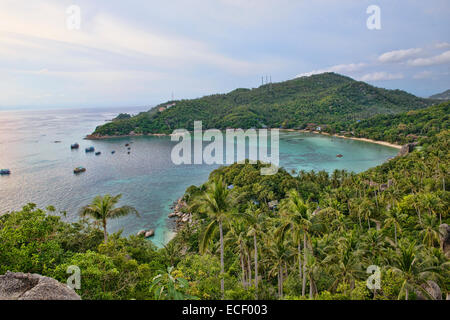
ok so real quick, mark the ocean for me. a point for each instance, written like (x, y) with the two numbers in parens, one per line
(35, 145)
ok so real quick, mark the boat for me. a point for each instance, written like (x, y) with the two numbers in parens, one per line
(339, 155)
(90, 149)
(126, 145)
(112, 152)
(98, 153)
(79, 170)
(5, 172)
(74, 146)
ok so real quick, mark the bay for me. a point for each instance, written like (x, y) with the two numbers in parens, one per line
(35, 145)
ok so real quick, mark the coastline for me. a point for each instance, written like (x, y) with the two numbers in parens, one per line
(383, 143)
(99, 137)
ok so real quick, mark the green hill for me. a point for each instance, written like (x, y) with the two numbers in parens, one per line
(322, 99)
(442, 96)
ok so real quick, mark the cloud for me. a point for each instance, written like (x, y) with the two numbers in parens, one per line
(442, 45)
(423, 75)
(378, 76)
(399, 55)
(340, 68)
(439, 59)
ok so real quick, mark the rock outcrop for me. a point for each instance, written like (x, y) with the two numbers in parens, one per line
(27, 286)
(181, 218)
(407, 148)
(444, 232)
(432, 289)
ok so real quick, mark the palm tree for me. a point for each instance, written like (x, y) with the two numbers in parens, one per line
(345, 262)
(168, 286)
(237, 236)
(278, 252)
(255, 220)
(393, 218)
(103, 208)
(430, 230)
(297, 220)
(413, 271)
(218, 203)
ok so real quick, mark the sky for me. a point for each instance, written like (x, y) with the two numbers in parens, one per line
(139, 53)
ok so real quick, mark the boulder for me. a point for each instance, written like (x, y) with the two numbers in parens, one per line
(27, 286)
(149, 233)
(432, 289)
(407, 148)
(444, 232)
(172, 215)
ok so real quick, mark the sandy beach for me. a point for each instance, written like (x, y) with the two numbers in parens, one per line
(384, 143)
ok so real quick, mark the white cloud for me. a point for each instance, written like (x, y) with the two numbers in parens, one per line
(423, 75)
(378, 76)
(442, 45)
(399, 55)
(439, 59)
(340, 68)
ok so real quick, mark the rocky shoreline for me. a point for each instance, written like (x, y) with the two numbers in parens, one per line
(100, 137)
(180, 217)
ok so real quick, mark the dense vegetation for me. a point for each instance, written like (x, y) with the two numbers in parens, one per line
(327, 98)
(442, 96)
(286, 236)
(400, 128)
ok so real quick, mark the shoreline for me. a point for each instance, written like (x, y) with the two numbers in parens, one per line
(383, 143)
(98, 137)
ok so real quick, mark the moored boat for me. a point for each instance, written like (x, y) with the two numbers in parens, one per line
(79, 170)
(112, 152)
(98, 153)
(74, 146)
(339, 155)
(90, 149)
(5, 172)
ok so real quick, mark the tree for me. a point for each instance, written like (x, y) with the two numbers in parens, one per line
(168, 285)
(296, 218)
(393, 218)
(255, 219)
(104, 208)
(217, 202)
(430, 230)
(413, 270)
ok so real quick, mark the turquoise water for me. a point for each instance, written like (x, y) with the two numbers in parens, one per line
(149, 181)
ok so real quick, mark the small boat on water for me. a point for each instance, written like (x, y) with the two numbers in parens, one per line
(90, 149)
(112, 152)
(339, 155)
(79, 170)
(98, 153)
(5, 172)
(74, 146)
(126, 145)
(129, 148)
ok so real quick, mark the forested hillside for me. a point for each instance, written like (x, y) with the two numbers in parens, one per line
(326, 98)
(399, 128)
(299, 235)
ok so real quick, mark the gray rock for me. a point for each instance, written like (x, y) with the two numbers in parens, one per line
(150, 233)
(27, 286)
(444, 232)
(432, 289)
(407, 148)
(141, 233)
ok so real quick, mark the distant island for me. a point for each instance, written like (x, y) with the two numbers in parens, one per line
(326, 102)
(442, 96)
